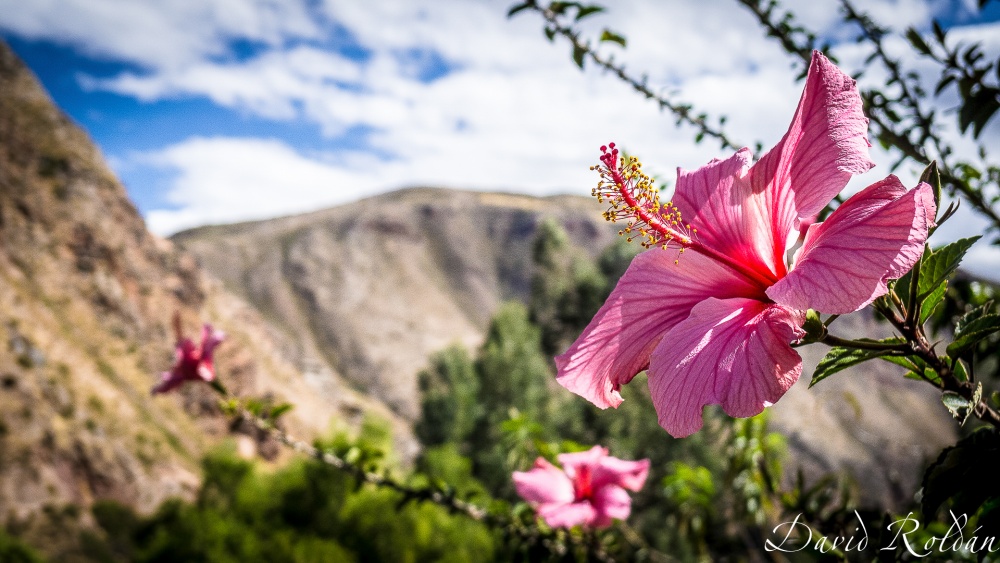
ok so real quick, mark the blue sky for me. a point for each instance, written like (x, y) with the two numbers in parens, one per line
(227, 110)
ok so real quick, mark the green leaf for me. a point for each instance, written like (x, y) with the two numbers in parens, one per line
(929, 375)
(918, 369)
(254, 407)
(964, 474)
(911, 363)
(578, 54)
(559, 8)
(939, 32)
(962, 374)
(608, 35)
(550, 32)
(279, 410)
(960, 407)
(977, 110)
(969, 334)
(941, 263)
(917, 41)
(976, 313)
(584, 11)
(219, 387)
(932, 301)
(932, 175)
(969, 172)
(517, 8)
(353, 455)
(230, 407)
(943, 217)
(903, 285)
(840, 358)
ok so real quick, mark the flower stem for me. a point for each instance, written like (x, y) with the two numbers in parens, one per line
(921, 348)
(831, 340)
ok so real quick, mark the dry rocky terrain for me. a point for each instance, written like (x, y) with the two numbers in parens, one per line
(86, 300)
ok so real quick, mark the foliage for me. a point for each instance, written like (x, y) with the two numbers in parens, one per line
(13, 551)
(450, 391)
(305, 511)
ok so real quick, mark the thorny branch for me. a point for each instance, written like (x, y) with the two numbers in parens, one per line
(532, 535)
(921, 347)
(923, 119)
(437, 497)
(887, 126)
(916, 139)
(684, 113)
(918, 345)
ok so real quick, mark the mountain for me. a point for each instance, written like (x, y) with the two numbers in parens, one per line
(369, 289)
(86, 300)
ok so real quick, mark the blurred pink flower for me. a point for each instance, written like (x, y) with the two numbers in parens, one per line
(714, 325)
(589, 490)
(191, 364)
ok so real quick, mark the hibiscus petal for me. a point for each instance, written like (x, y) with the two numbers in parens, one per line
(876, 235)
(206, 371)
(589, 459)
(733, 352)
(652, 296)
(209, 340)
(628, 474)
(610, 502)
(825, 144)
(184, 352)
(567, 515)
(168, 382)
(718, 202)
(544, 484)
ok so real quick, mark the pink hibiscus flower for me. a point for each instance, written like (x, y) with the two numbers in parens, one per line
(589, 490)
(191, 364)
(714, 325)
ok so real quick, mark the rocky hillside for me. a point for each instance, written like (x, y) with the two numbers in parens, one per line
(86, 300)
(368, 290)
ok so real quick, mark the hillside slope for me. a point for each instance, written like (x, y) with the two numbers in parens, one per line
(86, 300)
(370, 290)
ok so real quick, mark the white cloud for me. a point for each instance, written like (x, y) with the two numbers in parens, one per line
(270, 85)
(158, 34)
(225, 180)
(513, 114)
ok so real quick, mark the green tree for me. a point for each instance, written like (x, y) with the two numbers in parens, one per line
(512, 370)
(449, 405)
(14, 551)
(303, 512)
(550, 282)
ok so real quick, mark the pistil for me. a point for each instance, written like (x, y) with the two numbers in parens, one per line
(632, 196)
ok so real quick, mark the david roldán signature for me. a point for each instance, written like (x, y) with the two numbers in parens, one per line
(796, 535)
